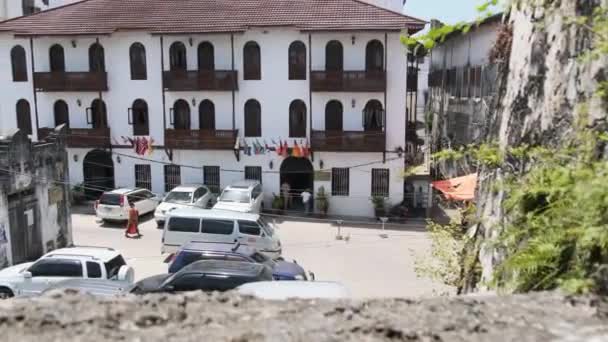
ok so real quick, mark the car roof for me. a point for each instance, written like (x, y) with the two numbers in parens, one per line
(236, 268)
(201, 246)
(279, 290)
(122, 191)
(93, 286)
(244, 184)
(212, 214)
(101, 253)
(187, 187)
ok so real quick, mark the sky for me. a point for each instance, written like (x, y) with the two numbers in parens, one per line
(447, 11)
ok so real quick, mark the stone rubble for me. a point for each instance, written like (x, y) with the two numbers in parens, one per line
(229, 317)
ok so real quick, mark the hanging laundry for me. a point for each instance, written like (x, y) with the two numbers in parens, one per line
(258, 147)
(285, 153)
(295, 151)
(150, 146)
(279, 149)
(304, 150)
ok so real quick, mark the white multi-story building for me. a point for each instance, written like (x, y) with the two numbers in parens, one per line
(16, 8)
(210, 91)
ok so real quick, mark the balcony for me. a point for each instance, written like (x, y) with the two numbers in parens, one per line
(81, 137)
(192, 80)
(71, 81)
(349, 81)
(348, 141)
(186, 139)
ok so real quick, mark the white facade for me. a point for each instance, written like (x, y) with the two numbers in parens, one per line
(14, 8)
(274, 92)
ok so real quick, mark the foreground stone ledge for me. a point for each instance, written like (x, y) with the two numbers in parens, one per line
(229, 317)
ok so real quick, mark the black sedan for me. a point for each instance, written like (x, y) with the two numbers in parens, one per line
(205, 275)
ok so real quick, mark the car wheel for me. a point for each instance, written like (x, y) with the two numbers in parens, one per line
(6, 293)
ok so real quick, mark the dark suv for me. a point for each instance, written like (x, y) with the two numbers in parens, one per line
(205, 275)
(194, 251)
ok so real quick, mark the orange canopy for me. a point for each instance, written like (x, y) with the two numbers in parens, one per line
(459, 188)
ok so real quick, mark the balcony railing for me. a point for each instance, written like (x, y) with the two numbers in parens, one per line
(348, 141)
(187, 139)
(355, 81)
(182, 80)
(81, 137)
(71, 81)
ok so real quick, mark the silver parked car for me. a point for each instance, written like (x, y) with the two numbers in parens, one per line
(184, 196)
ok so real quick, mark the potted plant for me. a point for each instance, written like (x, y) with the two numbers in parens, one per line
(78, 195)
(322, 201)
(277, 204)
(379, 203)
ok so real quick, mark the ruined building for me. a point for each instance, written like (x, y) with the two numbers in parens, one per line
(462, 85)
(34, 197)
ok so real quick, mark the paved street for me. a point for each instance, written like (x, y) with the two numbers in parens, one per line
(371, 266)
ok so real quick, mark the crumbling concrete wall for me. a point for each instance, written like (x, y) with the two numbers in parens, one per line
(33, 186)
(540, 93)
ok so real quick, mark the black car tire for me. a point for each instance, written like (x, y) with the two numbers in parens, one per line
(6, 293)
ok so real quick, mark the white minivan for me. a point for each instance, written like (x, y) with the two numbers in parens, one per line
(223, 226)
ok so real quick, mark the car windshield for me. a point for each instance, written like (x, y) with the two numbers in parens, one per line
(237, 196)
(266, 226)
(179, 197)
(110, 199)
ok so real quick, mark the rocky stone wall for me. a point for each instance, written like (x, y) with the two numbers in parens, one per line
(541, 91)
(227, 317)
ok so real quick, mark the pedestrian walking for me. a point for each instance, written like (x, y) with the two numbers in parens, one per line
(132, 222)
(306, 200)
(285, 191)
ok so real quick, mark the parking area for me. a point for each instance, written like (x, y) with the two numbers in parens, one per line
(369, 264)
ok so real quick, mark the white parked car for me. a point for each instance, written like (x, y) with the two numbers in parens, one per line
(114, 205)
(184, 196)
(282, 290)
(221, 226)
(32, 278)
(245, 196)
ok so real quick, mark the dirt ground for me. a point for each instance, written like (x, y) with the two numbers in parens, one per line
(370, 265)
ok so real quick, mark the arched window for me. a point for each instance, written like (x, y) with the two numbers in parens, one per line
(374, 56)
(177, 56)
(253, 119)
(252, 61)
(333, 116)
(29, 7)
(97, 61)
(137, 58)
(297, 119)
(206, 57)
(61, 113)
(139, 112)
(206, 115)
(99, 114)
(56, 58)
(373, 116)
(334, 56)
(181, 114)
(297, 61)
(24, 117)
(18, 64)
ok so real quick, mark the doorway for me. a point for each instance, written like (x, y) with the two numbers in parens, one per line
(98, 170)
(24, 227)
(299, 174)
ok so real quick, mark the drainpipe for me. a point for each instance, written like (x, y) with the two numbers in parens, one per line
(309, 89)
(385, 91)
(235, 82)
(34, 87)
